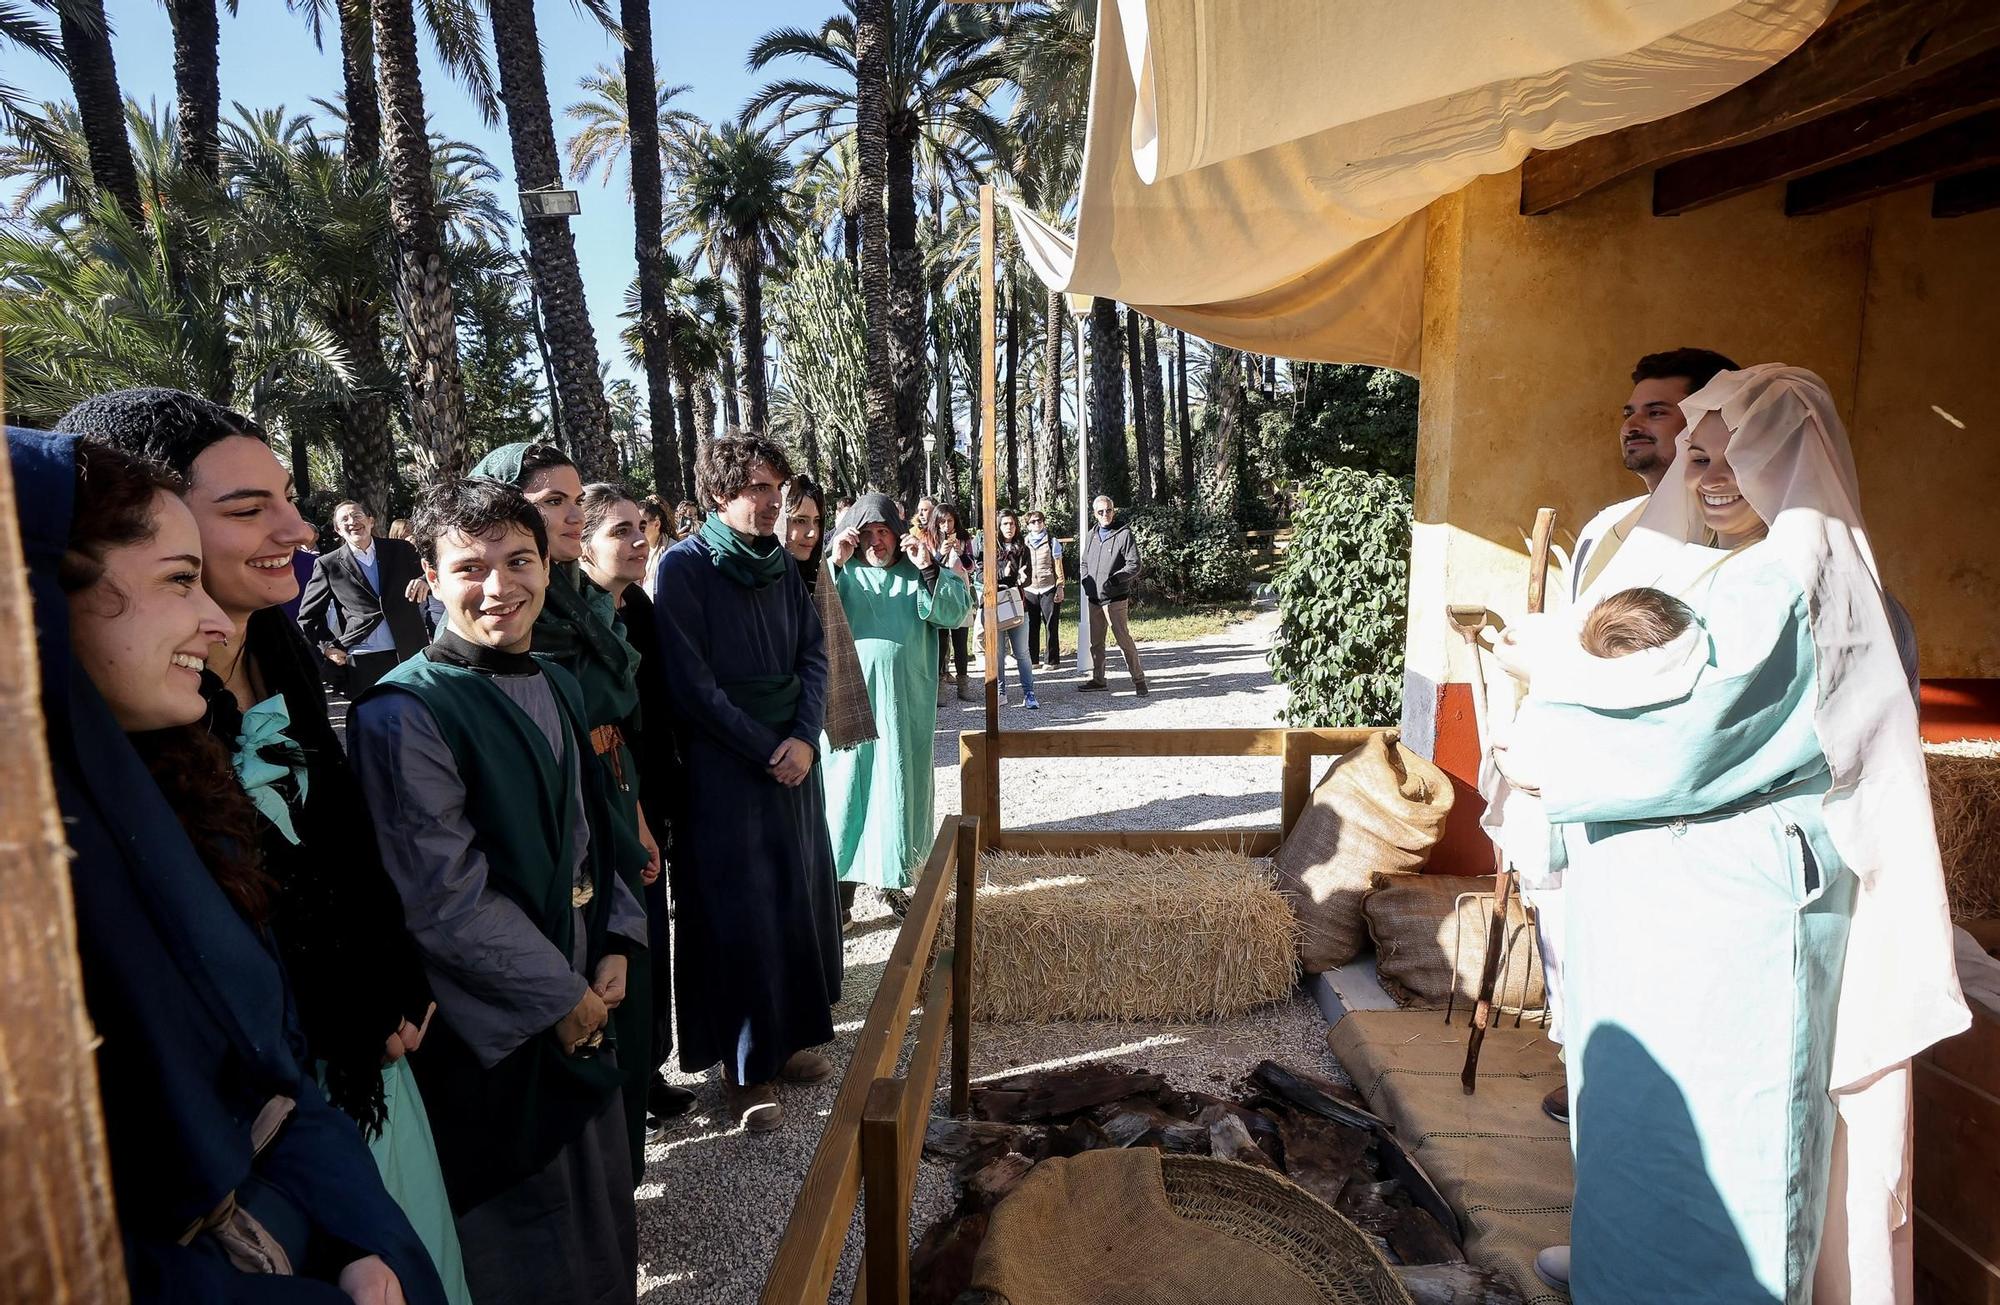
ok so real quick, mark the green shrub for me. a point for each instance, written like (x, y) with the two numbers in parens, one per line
(1342, 591)
(1189, 554)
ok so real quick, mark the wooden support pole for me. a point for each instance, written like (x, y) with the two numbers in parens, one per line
(989, 590)
(885, 1214)
(1503, 878)
(961, 966)
(1297, 790)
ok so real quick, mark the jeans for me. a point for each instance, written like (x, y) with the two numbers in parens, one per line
(1113, 613)
(1017, 639)
(1044, 609)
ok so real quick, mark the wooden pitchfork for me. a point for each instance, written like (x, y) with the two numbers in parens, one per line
(1503, 875)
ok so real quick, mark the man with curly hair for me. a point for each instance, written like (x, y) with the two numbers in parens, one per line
(757, 960)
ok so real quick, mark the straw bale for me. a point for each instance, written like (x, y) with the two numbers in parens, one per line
(1965, 797)
(1119, 935)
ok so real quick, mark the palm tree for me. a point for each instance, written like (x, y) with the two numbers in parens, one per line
(871, 147)
(455, 32)
(17, 114)
(734, 199)
(609, 125)
(93, 77)
(1156, 415)
(612, 121)
(941, 69)
(524, 90)
(423, 284)
(197, 81)
(1112, 473)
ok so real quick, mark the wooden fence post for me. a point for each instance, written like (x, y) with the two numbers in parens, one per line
(961, 968)
(1297, 790)
(885, 1213)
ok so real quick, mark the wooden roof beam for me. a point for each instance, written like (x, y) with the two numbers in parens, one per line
(1864, 52)
(1841, 137)
(1963, 147)
(1974, 192)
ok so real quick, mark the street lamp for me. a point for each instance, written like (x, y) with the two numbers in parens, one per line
(550, 202)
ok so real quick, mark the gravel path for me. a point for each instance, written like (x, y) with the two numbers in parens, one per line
(713, 1207)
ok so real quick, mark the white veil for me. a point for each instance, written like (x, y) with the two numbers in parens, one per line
(1899, 987)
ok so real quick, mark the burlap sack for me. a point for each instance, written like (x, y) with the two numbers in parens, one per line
(1418, 923)
(1380, 809)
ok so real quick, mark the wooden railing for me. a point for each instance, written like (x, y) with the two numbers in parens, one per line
(875, 1134)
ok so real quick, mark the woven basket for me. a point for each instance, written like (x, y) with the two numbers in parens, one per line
(1272, 1213)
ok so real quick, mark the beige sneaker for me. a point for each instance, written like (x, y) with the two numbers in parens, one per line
(755, 1107)
(806, 1067)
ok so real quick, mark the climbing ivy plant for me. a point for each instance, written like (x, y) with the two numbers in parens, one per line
(1341, 592)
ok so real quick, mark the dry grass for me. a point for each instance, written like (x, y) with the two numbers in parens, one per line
(1117, 935)
(1965, 795)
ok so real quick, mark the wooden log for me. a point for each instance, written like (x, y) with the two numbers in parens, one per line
(1456, 1284)
(1078, 1136)
(1311, 1093)
(969, 1143)
(1139, 1121)
(1417, 1238)
(941, 1265)
(1059, 1093)
(1228, 1139)
(1263, 1127)
(1947, 152)
(988, 1185)
(1327, 1158)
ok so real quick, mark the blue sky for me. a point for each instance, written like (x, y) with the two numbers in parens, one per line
(268, 59)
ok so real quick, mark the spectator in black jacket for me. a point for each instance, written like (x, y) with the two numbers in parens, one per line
(1110, 569)
(376, 590)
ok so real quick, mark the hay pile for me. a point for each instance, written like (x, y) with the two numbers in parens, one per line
(1127, 936)
(1965, 795)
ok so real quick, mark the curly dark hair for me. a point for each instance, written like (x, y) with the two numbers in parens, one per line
(1695, 366)
(722, 471)
(115, 493)
(170, 427)
(477, 506)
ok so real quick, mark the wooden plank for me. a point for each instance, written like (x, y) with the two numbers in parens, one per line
(961, 979)
(1962, 147)
(1973, 1055)
(802, 1271)
(972, 774)
(1296, 789)
(1975, 192)
(1947, 1272)
(1863, 52)
(1170, 743)
(1837, 138)
(988, 507)
(1068, 842)
(927, 1055)
(885, 1217)
(1957, 1159)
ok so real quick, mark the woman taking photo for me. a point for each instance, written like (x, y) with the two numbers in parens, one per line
(1012, 568)
(229, 1168)
(1757, 937)
(363, 1000)
(578, 630)
(953, 545)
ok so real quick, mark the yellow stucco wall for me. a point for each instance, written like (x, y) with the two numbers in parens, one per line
(1532, 326)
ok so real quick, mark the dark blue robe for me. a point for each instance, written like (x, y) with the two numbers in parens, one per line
(757, 957)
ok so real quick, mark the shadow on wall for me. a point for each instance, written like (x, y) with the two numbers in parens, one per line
(1650, 1180)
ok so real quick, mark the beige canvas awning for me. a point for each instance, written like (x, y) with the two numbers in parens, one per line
(1256, 172)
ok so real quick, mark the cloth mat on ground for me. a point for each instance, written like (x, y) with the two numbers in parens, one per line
(1502, 1164)
(1134, 1227)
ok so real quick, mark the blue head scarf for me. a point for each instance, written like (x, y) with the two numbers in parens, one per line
(177, 981)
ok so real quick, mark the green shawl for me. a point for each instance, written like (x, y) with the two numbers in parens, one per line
(752, 563)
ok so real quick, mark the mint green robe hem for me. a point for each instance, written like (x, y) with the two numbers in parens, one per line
(406, 1157)
(880, 796)
(1707, 925)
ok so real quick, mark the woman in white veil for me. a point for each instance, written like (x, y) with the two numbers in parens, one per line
(1758, 941)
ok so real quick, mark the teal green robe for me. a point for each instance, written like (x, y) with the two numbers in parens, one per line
(1706, 929)
(879, 795)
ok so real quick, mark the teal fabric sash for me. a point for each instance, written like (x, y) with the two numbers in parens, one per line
(767, 699)
(752, 563)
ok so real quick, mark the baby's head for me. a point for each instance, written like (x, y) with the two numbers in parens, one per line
(1633, 620)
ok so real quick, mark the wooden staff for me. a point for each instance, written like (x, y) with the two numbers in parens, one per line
(1503, 877)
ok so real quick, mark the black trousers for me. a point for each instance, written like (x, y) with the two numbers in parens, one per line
(952, 647)
(1044, 608)
(363, 669)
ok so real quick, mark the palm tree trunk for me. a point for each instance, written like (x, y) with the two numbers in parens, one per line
(1156, 414)
(850, 233)
(1135, 358)
(1013, 385)
(944, 472)
(906, 305)
(1112, 472)
(357, 79)
(1048, 483)
(642, 120)
(551, 245)
(299, 440)
(809, 448)
(93, 77)
(1225, 389)
(1181, 415)
(684, 404)
(423, 286)
(367, 436)
(732, 414)
(871, 89)
(197, 82)
(750, 290)
(704, 418)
